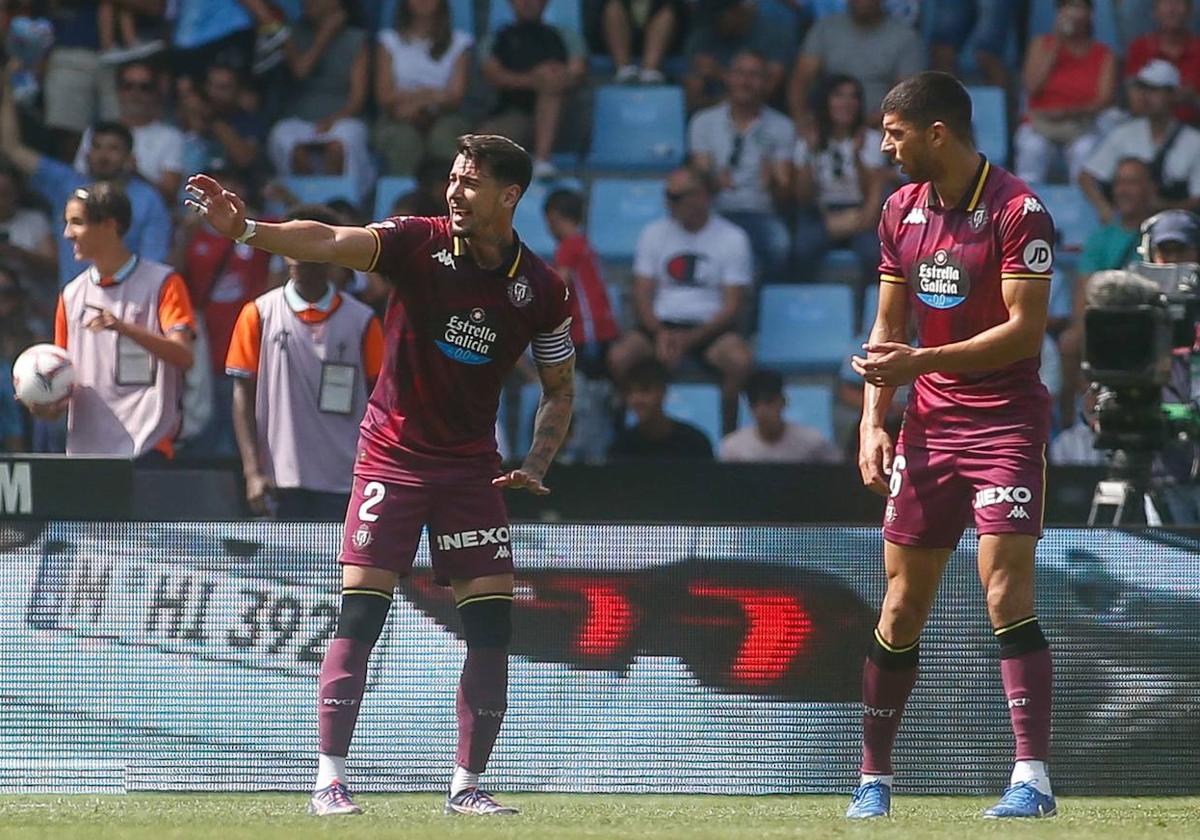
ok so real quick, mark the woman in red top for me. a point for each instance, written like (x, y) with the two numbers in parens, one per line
(1069, 79)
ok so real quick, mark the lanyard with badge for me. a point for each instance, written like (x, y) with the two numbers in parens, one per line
(336, 395)
(135, 365)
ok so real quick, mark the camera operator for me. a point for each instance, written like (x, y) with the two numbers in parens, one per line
(1172, 238)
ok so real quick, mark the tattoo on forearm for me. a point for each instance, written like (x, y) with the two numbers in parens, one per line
(553, 415)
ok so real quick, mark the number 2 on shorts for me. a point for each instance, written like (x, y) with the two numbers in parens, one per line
(372, 495)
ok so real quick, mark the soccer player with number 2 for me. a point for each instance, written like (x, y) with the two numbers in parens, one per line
(966, 248)
(467, 299)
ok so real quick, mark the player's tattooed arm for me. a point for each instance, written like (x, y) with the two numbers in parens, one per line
(549, 428)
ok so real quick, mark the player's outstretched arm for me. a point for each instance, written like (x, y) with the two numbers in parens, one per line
(307, 241)
(549, 429)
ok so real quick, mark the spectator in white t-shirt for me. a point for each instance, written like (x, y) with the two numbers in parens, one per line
(157, 145)
(690, 274)
(770, 439)
(748, 147)
(841, 176)
(1171, 148)
(420, 81)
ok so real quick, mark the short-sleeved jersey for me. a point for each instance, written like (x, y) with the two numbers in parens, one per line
(452, 333)
(953, 261)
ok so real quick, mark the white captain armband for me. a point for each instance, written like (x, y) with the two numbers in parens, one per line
(555, 347)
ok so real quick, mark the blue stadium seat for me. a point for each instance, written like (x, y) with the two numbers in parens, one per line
(319, 189)
(637, 128)
(1074, 216)
(565, 14)
(388, 189)
(1104, 21)
(991, 122)
(823, 8)
(698, 404)
(529, 220)
(617, 212)
(804, 328)
(807, 405)
(462, 13)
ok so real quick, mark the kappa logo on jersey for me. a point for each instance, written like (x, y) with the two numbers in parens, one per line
(941, 281)
(520, 293)
(997, 495)
(916, 216)
(1032, 205)
(446, 258)
(468, 338)
(471, 539)
(1037, 256)
(502, 553)
(1018, 512)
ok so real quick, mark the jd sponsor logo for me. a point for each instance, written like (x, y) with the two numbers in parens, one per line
(998, 495)
(467, 338)
(471, 539)
(941, 281)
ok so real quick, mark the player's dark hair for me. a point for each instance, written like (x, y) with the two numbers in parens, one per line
(763, 385)
(505, 160)
(565, 203)
(931, 97)
(105, 200)
(648, 373)
(116, 130)
(315, 213)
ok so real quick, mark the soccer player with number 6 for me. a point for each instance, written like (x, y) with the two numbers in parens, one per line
(967, 249)
(467, 299)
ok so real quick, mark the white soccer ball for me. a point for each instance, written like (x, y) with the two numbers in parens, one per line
(43, 374)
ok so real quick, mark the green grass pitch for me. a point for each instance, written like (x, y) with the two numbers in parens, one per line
(418, 816)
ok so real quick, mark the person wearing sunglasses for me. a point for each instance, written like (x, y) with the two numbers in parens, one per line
(690, 273)
(157, 145)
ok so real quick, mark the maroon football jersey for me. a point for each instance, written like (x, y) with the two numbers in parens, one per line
(953, 261)
(452, 334)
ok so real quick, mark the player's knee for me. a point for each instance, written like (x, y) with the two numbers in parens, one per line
(363, 613)
(901, 620)
(486, 620)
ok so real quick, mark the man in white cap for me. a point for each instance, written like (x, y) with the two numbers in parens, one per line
(1170, 148)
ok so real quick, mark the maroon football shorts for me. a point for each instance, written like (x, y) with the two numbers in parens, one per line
(468, 528)
(934, 493)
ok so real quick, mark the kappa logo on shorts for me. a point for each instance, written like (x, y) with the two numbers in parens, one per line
(1015, 496)
(502, 553)
(1018, 512)
(473, 539)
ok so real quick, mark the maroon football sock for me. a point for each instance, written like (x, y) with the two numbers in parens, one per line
(1028, 675)
(482, 701)
(343, 680)
(888, 678)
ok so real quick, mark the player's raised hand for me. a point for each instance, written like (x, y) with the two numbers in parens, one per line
(888, 364)
(521, 480)
(224, 210)
(875, 460)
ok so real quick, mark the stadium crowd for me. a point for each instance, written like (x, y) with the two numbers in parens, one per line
(773, 185)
